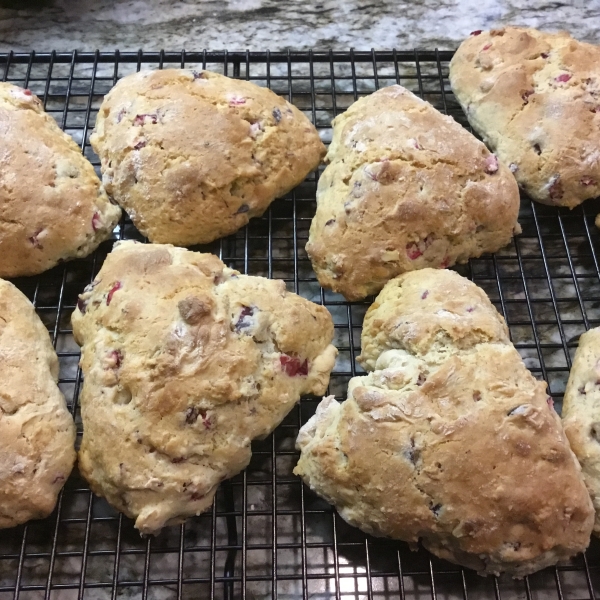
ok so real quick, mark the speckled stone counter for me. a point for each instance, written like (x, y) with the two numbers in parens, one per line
(259, 24)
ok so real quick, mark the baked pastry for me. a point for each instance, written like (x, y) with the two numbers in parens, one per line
(185, 363)
(52, 205)
(406, 188)
(449, 439)
(534, 98)
(192, 156)
(581, 413)
(37, 433)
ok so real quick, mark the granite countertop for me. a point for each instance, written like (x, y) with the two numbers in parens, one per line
(64, 25)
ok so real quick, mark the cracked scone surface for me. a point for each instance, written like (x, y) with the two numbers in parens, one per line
(534, 98)
(186, 362)
(581, 413)
(52, 205)
(37, 433)
(406, 188)
(449, 439)
(192, 156)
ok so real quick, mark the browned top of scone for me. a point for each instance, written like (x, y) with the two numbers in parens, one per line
(535, 99)
(52, 206)
(406, 188)
(185, 362)
(37, 433)
(192, 156)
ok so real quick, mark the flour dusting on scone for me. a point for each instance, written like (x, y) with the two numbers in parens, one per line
(37, 433)
(581, 413)
(534, 97)
(193, 155)
(186, 362)
(406, 188)
(449, 439)
(52, 205)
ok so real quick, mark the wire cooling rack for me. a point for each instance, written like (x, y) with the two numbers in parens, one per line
(268, 536)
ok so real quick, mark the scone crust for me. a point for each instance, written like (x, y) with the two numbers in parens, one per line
(192, 156)
(406, 188)
(185, 363)
(534, 98)
(581, 413)
(449, 439)
(53, 207)
(37, 433)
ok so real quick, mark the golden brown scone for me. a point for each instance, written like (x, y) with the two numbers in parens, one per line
(185, 363)
(406, 188)
(52, 206)
(37, 433)
(581, 413)
(534, 98)
(449, 440)
(192, 156)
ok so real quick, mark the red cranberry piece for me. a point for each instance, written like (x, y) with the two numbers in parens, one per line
(96, 222)
(59, 477)
(121, 114)
(486, 47)
(196, 496)
(116, 286)
(198, 74)
(244, 208)
(206, 420)
(237, 100)
(587, 181)
(563, 78)
(141, 144)
(421, 379)
(81, 305)
(34, 241)
(115, 358)
(555, 189)
(177, 459)
(476, 396)
(145, 118)
(491, 164)
(525, 96)
(27, 92)
(544, 55)
(245, 319)
(550, 402)
(470, 309)
(276, 115)
(413, 251)
(424, 294)
(476, 32)
(191, 415)
(444, 264)
(293, 366)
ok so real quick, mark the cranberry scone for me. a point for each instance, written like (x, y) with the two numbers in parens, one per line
(37, 433)
(192, 156)
(534, 98)
(406, 188)
(581, 413)
(52, 205)
(448, 439)
(186, 362)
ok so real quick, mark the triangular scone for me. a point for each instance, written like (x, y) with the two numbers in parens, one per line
(406, 188)
(52, 205)
(37, 433)
(449, 439)
(534, 98)
(581, 413)
(185, 363)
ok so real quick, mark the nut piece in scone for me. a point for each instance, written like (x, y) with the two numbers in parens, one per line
(581, 413)
(37, 433)
(186, 362)
(406, 188)
(534, 98)
(52, 205)
(192, 156)
(449, 439)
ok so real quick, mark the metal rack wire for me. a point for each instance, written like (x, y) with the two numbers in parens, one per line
(267, 536)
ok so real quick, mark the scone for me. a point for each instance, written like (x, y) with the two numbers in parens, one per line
(52, 206)
(192, 156)
(186, 362)
(449, 439)
(37, 433)
(406, 188)
(534, 98)
(581, 413)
